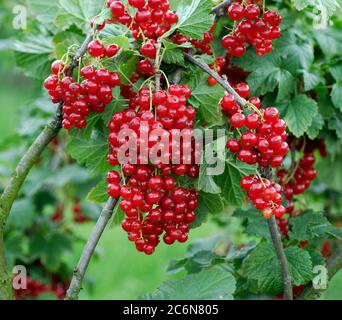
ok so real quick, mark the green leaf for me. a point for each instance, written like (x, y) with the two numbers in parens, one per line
(316, 127)
(64, 40)
(32, 53)
(90, 152)
(99, 193)
(328, 6)
(173, 53)
(49, 248)
(205, 182)
(335, 123)
(127, 68)
(206, 98)
(336, 72)
(297, 47)
(212, 284)
(267, 74)
(330, 41)
(256, 224)
(286, 84)
(311, 80)
(325, 168)
(229, 181)
(194, 17)
(301, 4)
(263, 266)
(77, 12)
(44, 11)
(310, 225)
(22, 215)
(209, 203)
(300, 114)
(336, 95)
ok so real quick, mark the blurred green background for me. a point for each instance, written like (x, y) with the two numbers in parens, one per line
(118, 271)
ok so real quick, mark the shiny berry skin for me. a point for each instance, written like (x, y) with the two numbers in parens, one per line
(236, 12)
(117, 8)
(114, 190)
(233, 145)
(57, 67)
(242, 89)
(253, 121)
(248, 139)
(96, 48)
(112, 50)
(88, 72)
(212, 81)
(271, 115)
(252, 11)
(237, 120)
(149, 50)
(113, 177)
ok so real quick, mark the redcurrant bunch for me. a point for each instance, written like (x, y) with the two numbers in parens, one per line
(80, 99)
(253, 29)
(153, 204)
(151, 18)
(263, 142)
(171, 112)
(265, 195)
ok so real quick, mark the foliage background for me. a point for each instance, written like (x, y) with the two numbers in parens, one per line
(118, 271)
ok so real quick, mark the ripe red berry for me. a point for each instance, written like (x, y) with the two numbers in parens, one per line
(96, 48)
(237, 120)
(112, 50)
(236, 11)
(117, 8)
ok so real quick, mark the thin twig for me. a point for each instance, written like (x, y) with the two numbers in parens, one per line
(220, 9)
(89, 249)
(177, 75)
(157, 65)
(222, 81)
(334, 264)
(278, 246)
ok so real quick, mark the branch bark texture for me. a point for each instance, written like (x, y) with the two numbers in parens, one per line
(89, 249)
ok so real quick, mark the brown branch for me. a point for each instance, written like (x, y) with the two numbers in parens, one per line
(221, 9)
(89, 249)
(222, 81)
(278, 246)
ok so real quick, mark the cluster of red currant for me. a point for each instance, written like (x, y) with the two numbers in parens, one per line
(264, 141)
(35, 288)
(152, 18)
(265, 195)
(202, 45)
(298, 180)
(78, 215)
(283, 225)
(151, 200)
(153, 204)
(92, 94)
(252, 29)
(171, 112)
